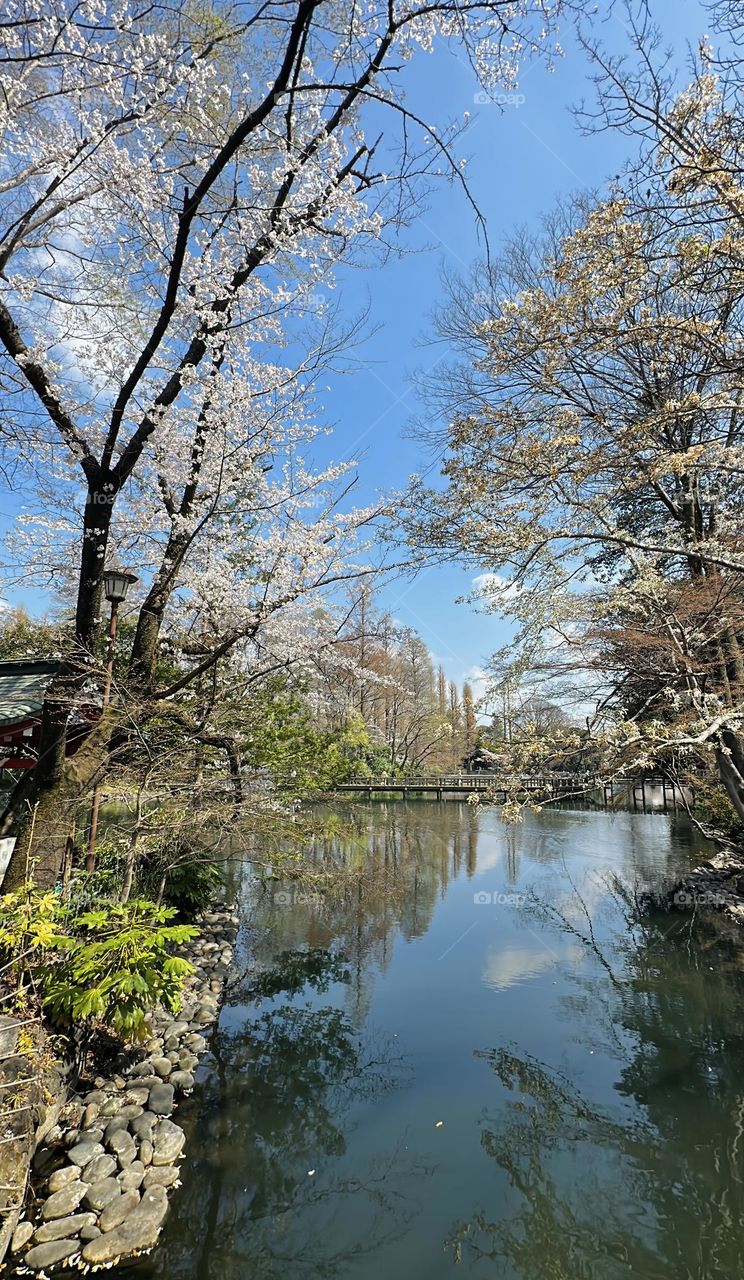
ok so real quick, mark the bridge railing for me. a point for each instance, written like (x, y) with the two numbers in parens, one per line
(471, 779)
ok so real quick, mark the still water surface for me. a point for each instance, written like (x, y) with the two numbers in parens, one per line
(409, 1080)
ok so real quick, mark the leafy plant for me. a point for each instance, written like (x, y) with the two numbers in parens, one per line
(30, 924)
(117, 966)
(110, 964)
(190, 879)
(715, 810)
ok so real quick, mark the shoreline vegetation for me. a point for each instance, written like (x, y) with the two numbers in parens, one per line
(100, 1176)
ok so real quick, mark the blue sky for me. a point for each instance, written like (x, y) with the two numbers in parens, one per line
(521, 159)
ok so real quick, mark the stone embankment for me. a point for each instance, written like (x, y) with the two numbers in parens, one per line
(101, 1179)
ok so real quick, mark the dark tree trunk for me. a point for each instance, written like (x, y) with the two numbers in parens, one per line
(150, 620)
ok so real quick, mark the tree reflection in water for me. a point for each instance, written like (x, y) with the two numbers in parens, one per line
(267, 1143)
(645, 1188)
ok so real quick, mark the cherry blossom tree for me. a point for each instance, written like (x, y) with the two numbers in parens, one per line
(178, 186)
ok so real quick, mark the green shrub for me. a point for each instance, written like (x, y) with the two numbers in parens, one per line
(30, 925)
(109, 965)
(714, 809)
(118, 965)
(189, 879)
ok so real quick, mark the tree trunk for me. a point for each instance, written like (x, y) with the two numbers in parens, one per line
(730, 760)
(149, 623)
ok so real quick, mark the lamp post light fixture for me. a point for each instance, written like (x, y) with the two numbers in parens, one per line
(116, 584)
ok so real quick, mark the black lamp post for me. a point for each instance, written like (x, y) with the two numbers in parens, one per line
(116, 584)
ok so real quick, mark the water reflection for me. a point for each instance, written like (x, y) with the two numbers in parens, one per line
(647, 1190)
(268, 1138)
(471, 1050)
(514, 964)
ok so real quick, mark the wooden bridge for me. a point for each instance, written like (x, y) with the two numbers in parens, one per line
(642, 793)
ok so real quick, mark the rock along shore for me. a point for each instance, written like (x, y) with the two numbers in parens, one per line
(716, 885)
(102, 1178)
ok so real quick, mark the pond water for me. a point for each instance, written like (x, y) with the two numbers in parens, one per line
(473, 1061)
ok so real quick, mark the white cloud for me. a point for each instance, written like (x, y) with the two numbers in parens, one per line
(494, 586)
(506, 968)
(478, 679)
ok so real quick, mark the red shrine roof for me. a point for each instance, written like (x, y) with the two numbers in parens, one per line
(23, 684)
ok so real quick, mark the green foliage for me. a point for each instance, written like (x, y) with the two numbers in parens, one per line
(104, 883)
(714, 809)
(111, 964)
(283, 740)
(24, 637)
(117, 966)
(191, 878)
(29, 926)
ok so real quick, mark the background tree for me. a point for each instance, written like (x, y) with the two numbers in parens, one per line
(596, 441)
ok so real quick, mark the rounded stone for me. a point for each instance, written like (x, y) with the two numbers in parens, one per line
(64, 1202)
(162, 1067)
(100, 1167)
(168, 1144)
(111, 1107)
(161, 1099)
(130, 1179)
(121, 1143)
(61, 1228)
(98, 1196)
(90, 1233)
(63, 1177)
(118, 1210)
(182, 1080)
(131, 1110)
(146, 1152)
(142, 1069)
(83, 1152)
(21, 1236)
(163, 1176)
(90, 1115)
(143, 1126)
(139, 1231)
(95, 1095)
(118, 1124)
(137, 1096)
(45, 1255)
